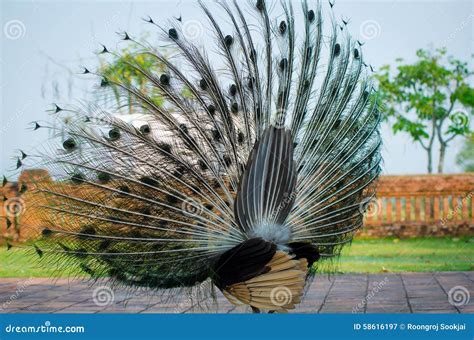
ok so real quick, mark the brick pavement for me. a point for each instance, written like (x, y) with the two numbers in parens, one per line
(349, 293)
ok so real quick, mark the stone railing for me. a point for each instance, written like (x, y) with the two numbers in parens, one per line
(406, 206)
(422, 205)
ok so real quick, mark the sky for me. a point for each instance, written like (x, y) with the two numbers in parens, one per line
(44, 44)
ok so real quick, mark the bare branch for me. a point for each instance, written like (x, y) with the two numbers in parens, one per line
(423, 145)
(447, 140)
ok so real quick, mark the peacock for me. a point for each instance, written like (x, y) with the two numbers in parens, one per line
(252, 169)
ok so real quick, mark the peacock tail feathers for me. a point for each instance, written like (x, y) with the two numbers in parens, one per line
(270, 133)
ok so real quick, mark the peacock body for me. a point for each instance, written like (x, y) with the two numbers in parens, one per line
(253, 169)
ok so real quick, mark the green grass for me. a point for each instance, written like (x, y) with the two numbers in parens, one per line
(363, 256)
(18, 262)
(408, 255)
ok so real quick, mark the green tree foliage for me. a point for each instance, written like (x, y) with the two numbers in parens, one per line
(123, 69)
(429, 99)
(466, 157)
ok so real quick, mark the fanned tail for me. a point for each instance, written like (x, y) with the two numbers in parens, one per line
(268, 136)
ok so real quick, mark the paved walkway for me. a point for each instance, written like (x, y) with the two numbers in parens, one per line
(444, 292)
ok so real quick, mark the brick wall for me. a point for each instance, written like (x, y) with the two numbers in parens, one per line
(422, 205)
(406, 206)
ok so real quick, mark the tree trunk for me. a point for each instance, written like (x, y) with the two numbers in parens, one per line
(430, 160)
(429, 148)
(442, 153)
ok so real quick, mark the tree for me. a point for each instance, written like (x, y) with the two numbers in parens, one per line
(120, 69)
(466, 157)
(430, 100)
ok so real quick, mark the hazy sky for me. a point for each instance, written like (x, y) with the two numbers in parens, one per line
(42, 42)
